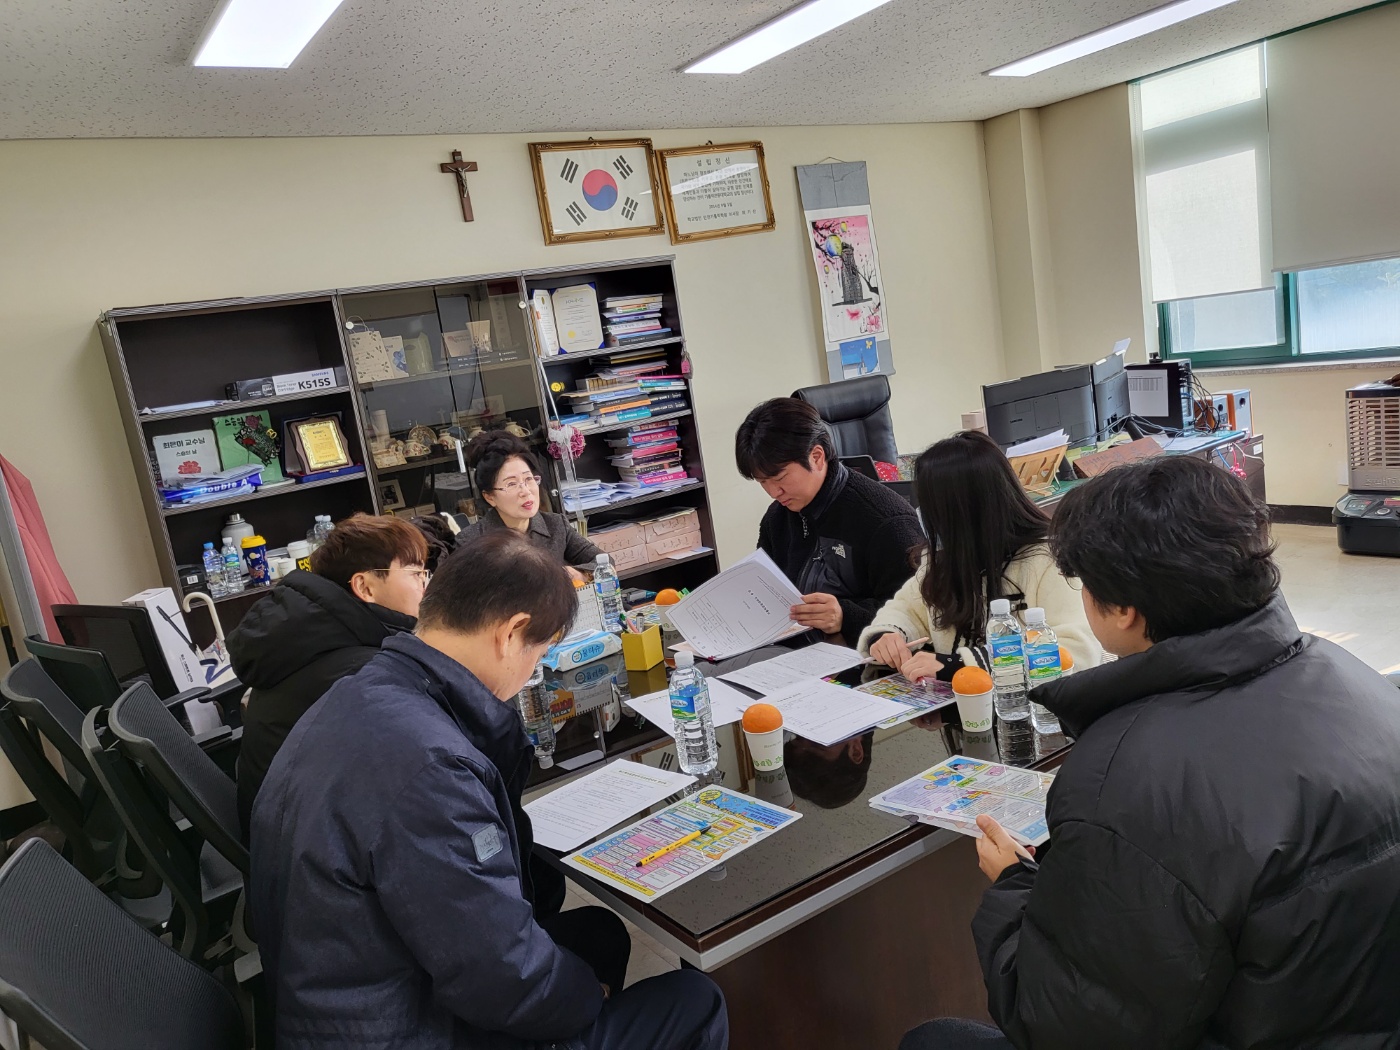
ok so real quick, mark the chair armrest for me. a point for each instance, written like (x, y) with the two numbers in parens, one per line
(176, 702)
(213, 738)
(247, 967)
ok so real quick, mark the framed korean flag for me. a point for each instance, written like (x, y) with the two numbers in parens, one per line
(592, 190)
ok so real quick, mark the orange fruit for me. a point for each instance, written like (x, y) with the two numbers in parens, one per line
(970, 681)
(1066, 660)
(761, 718)
(669, 596)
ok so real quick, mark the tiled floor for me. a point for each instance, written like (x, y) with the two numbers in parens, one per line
(1354, 601)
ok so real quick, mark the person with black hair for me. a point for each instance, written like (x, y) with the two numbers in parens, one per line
(986, 540)
(1224, 859)
(390, 889)
(840, 537)
(508, 477)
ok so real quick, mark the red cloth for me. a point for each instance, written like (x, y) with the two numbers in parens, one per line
(50, 583)
(886, 471)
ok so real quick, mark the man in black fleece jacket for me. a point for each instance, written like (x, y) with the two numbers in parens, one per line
(842, 539)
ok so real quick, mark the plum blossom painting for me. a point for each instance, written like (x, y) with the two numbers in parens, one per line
(848, 273)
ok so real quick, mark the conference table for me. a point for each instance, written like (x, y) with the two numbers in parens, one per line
(846, 928)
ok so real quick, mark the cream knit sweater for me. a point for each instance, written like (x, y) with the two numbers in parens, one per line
(1032, 572)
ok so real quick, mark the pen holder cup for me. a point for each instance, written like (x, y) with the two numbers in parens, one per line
(641, 652)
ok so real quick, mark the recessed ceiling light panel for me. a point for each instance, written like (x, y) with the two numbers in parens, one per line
(1113, 35)
(261, 34)
(784, 33)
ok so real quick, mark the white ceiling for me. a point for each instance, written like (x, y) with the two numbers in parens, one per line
(120, 68)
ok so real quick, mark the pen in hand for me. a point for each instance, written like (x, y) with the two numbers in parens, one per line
(654, 854)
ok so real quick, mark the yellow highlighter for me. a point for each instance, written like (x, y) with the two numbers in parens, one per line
(654, 854)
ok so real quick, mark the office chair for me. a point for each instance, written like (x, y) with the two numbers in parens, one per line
(78, 974)
(83, 674)
(122, 634)
(858, 413)
(205, 887)
(151, 736)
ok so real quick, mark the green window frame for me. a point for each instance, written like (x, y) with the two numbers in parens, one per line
(1287, 351)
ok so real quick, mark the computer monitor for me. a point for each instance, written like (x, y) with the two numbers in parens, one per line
(1111, 406)
(1031, 407)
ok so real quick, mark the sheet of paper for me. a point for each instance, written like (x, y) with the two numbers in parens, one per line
(1147, 392)
(812, 661)
(732, 822)
(827, 714)
(585, 808)
(576, 319)
(954, 793)
(744, 607)
(1040, 444)
(726, 706)
(917, 698)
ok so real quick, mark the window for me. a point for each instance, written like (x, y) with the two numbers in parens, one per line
(1346, 308)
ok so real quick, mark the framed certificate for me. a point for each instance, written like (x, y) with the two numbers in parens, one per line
(594, 190)
(716, 191)
(321, 444)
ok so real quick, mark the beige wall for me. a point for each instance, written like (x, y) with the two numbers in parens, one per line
(90, 225)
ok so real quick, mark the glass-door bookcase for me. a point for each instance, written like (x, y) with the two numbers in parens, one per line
(436, 364)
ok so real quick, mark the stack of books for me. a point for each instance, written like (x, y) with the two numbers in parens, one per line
(633, 318)
(648, 455)
(631, 387)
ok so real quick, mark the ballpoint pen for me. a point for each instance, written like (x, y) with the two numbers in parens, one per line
(673, 846)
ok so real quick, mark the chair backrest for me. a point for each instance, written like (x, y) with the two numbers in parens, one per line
(78, 973)
(83, 674)
(858, 413)
(152, 736)
(47, 785)
(38, 698)
(145, 813)
(124, 635)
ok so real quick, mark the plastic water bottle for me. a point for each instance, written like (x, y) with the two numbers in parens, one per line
(214, 572)
(1005, 639)
(320, 530)
(533, 703)
(1043, 666)
(609, 591)
(690, 709)
(233, 567)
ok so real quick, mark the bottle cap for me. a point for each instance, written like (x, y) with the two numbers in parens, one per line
(545, 761)
(253, 541)
(209, 546)
(228, 541)
(602, 559)
(1001, 607)
(683, 658)
(1034, 616)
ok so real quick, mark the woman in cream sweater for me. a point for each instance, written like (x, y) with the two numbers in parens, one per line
(986, 540)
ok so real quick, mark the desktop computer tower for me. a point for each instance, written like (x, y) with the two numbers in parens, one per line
(1160, 392)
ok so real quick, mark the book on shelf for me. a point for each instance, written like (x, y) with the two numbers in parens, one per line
(623, 302)
(625, 416)
(621, 339)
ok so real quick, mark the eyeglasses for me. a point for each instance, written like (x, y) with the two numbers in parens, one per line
(424, 576)
(519, 484)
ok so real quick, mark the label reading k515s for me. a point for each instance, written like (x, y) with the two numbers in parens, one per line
(304, 382)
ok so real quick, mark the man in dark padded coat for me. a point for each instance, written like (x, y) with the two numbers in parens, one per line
(1224, 858)
(841, 538)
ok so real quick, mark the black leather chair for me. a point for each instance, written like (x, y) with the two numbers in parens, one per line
(78, 974)
(858, 412)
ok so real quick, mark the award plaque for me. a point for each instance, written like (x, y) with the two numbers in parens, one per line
(321, 444)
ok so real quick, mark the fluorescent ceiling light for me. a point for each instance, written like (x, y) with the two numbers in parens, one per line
(1133, 28)
(261, 34)
(784, 33)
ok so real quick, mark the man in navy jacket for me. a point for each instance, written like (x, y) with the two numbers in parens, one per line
(390, 885)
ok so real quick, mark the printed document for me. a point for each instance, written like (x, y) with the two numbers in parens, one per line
(953, 794)
(585, 808)
(728, 821)
(746, 606)
(800, 665)
(827, 714)
(726, 706)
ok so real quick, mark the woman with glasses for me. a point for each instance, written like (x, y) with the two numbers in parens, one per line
(508, 476)
(318, 627)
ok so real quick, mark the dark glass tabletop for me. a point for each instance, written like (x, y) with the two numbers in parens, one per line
(831, 787)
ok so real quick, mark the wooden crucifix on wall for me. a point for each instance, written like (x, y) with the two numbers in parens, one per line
(459, 168)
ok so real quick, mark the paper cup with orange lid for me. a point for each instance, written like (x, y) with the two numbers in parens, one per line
(975, 692)
(763, 728)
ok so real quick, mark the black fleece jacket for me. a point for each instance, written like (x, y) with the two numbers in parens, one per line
(291, 647)
(852, 541)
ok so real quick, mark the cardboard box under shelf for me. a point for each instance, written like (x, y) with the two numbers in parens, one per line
(615, 538)
(672, 544)
(680, 521)
(628, 557)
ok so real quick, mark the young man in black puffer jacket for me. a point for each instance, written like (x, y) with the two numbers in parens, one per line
(842, 539)
(318, 627)
(1224, 858)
